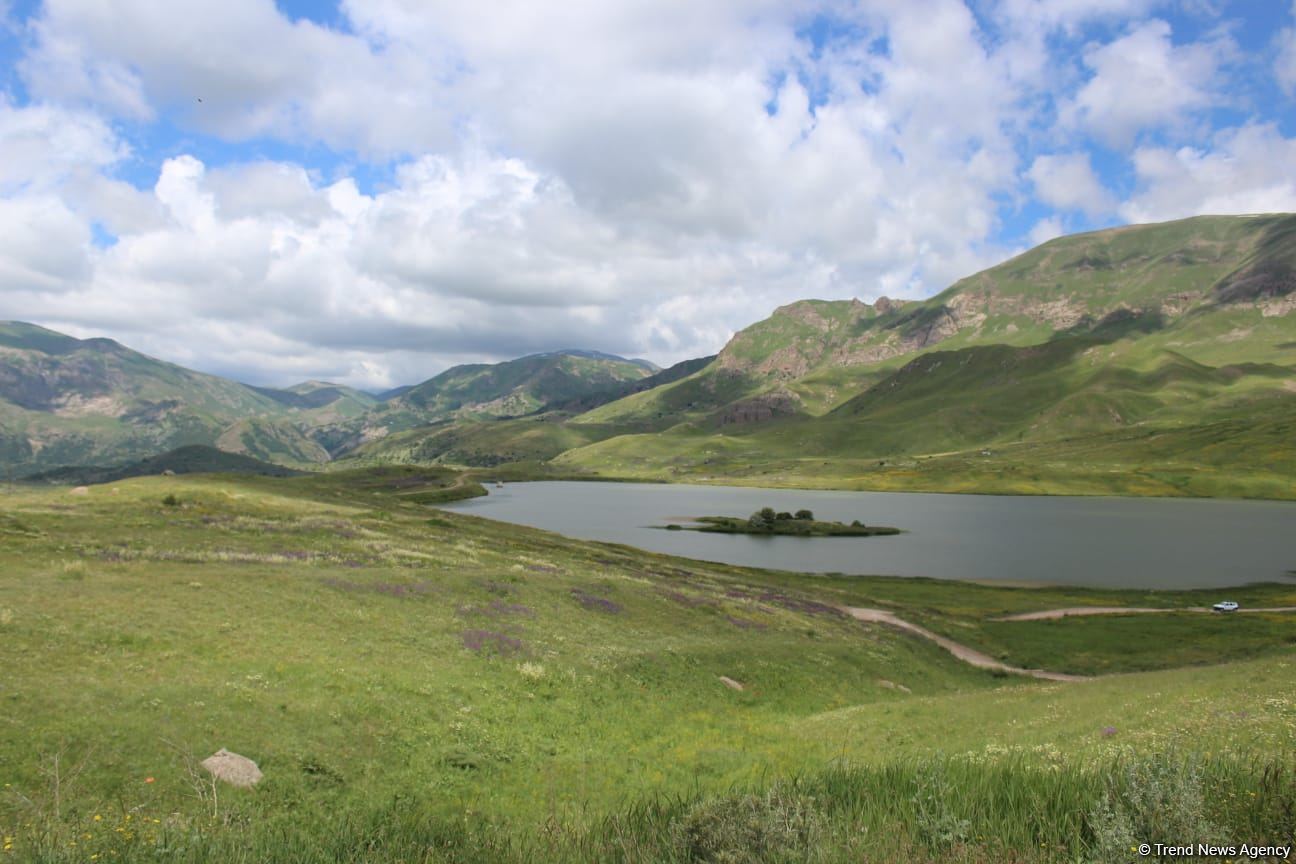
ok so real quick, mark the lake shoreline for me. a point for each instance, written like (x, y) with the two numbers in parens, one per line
(1169, 543)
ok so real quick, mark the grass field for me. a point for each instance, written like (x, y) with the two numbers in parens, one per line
(1233, 458)
(419, 685)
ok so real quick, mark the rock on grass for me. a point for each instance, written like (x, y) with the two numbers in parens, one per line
(232, 768)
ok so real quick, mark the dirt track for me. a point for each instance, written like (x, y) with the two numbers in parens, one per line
(1051, 614)
(959, 650)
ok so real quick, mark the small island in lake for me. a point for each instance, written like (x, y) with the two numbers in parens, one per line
(768, 521)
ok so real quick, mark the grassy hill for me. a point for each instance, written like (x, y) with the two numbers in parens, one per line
(1181, 332)
(1150, 359)
(340, 402)
(534, 438)
(192, 459)
(519, 386)
(66, 401)
(426, 686)
(73, 402)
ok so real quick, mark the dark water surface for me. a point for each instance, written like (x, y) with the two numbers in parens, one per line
(1108, 542)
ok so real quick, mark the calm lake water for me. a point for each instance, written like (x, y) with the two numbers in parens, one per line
(1110, 542)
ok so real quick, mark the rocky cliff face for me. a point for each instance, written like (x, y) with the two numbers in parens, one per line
(762, 408)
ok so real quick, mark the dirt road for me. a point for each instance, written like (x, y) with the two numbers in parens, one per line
(959, 650)
(1050, 614)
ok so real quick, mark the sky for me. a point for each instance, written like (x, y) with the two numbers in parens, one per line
(370, 191)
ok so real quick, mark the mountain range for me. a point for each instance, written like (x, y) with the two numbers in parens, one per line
(1157, 359)
(78, 402)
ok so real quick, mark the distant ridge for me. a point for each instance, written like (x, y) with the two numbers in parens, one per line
(193, 459)
(76, 402)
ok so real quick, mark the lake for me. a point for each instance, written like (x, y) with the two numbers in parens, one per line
(1101, 542)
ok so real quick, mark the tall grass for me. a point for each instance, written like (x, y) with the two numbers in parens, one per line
(945, 809)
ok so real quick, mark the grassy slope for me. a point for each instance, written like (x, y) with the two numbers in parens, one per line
(516, 386)
(481, 443)
(484, 401)
(193, 459)
(124, 405)
(1191, 393)
(326, 626)
(1064, 361)
(66, 401)
(825, 351)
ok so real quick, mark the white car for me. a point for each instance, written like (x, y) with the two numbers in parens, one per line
(1225, 606)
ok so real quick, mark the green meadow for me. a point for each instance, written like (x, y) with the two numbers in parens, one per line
(423, 686)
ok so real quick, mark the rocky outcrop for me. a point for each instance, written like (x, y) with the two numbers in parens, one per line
(761, 409)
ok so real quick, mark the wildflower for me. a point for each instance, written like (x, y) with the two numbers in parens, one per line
(98, 818)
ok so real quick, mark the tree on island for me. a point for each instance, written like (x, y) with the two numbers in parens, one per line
(763, 519)
(805, 515)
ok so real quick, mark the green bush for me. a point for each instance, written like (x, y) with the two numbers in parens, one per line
(805, 515)
(781, 825)
(1151, 800)
(170, 501)
(937, 825)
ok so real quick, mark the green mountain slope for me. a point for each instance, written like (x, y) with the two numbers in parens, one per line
(1222, 284)
(593, 399)
(531, 438)
(193, 459)
(67, 401)
(329, 401)
(1166, 328)
(72, 401)
(518, 386)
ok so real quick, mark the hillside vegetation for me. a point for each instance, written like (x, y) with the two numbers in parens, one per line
(67, 402)
(425, 686)
(1145, 360)
(192, 459)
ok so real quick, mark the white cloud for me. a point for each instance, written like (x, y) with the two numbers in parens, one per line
(1285, 62)
(255, 72)
(642, 177)
(1067, 181)
(44, 246)
(1246, 170)
(42, 145)
(1046, 229)
(595, 176)
(1144, 81)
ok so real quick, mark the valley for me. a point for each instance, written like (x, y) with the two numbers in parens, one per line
(1152, 360)
(302, 575)
(639, 432)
